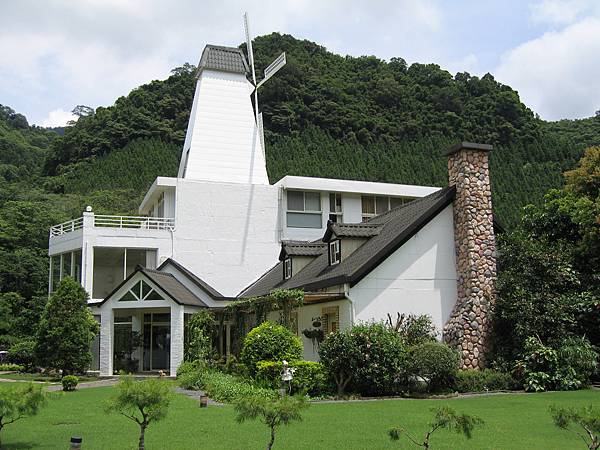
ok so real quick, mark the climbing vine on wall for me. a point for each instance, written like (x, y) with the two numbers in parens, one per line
(258, 308)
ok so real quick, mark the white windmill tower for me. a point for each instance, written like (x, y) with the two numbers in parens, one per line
(224, 140)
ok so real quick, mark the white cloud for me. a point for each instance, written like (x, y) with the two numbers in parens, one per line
(557, 74)
(58, 118)
(63, 53)
(559, 12)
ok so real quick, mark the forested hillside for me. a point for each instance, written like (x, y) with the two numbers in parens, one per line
(325, 115)
(342, 117)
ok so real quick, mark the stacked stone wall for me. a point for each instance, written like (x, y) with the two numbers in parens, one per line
(469, 326)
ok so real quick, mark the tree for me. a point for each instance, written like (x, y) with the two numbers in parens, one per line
(199, 336)
(445, 417)
(19, 402)
(66, 330)
(143, 402)
(273, 413)
(585, 179)
(587, 418)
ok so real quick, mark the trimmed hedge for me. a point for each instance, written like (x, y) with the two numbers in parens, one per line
(484, 380)
(309, 377)
(270, 342)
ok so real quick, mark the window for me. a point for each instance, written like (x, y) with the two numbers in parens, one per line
(330, 317)
(161, 205)
(287, 268)
(304, 209)
(335, 254)
(140, 291)
(373, 205)
(64, 265)
(113, 265)
(335, 207)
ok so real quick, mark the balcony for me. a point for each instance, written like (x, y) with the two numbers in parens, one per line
(105, 221)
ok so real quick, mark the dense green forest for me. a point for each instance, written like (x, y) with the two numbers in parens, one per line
(325, 115)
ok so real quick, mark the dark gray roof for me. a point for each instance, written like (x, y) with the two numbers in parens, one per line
(172, 287)
(212, 292)
(228, 59)
(301, 248)
(360, 230)
(165, 281)
(395, 228)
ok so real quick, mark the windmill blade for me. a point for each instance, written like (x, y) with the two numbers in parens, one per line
(261, 131)
(273, 68)
(249, 46)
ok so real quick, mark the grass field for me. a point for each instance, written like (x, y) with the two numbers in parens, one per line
(516, 421)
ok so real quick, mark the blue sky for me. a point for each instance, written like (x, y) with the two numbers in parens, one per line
(57, 54)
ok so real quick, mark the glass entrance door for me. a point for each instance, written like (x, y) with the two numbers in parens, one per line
(157, 342)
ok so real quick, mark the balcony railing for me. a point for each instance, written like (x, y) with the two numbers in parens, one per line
(66, 227)
(146, 223)
(104, 221)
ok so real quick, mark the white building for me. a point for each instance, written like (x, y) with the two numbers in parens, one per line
(220, 231)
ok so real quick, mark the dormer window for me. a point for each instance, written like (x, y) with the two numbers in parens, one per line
(335, 253)
(287, 268)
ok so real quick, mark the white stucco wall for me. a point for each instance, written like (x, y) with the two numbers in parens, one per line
(419, 278)
(226, 233)
(222, 136)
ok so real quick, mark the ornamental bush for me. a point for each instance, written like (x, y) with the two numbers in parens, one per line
(366, 358)
(434, 362)
(69, 383)
(309, 376)
(270, 342)
(484, 380)
(23, 353)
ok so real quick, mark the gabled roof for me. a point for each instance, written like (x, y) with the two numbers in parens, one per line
(395, 228)
(170, 285)
(212, 292)
(357, 230)
(227, 59)
(301, 248)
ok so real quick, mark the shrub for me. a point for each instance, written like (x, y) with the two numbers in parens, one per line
(365, 358)
(435, 362)
(577, 362)
(23, 352)
(484, 380)
(270, 342)
(12, 367)
(223, 387)
(198, 345)
(69, 382)
(544, 368)
(309, 377)
(414, 329)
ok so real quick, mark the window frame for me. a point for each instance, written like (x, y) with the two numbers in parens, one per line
(335, 215)
(335, 252)
(287, 268)
(311, 212)
(365, 215)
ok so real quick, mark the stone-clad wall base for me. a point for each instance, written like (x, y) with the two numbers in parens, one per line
(469, 327)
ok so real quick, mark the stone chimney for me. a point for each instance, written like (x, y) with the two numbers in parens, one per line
(469, 326)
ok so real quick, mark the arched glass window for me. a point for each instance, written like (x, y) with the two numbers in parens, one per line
(141, 291)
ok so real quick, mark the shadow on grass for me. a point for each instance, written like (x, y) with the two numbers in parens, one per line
(17, 445)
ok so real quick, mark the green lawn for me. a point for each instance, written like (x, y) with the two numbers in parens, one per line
(519, 421)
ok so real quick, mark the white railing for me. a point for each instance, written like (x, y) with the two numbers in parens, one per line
(66, 227)
(146, 223)
(104, 221)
